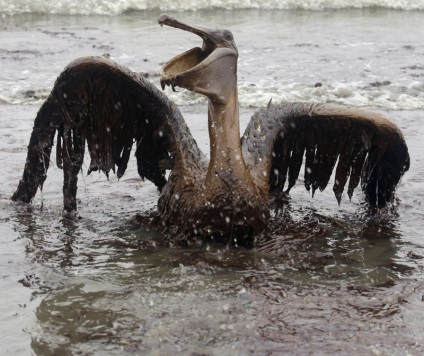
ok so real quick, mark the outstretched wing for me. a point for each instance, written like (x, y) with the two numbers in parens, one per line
(366, 145)
(109, 107)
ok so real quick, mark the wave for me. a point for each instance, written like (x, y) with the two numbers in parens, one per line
(116, 7)
(389, 97)
(385, 96)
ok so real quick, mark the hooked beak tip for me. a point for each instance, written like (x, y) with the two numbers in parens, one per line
(163, 19)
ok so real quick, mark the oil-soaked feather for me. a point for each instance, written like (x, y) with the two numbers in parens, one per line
(355, 172)
(326, 159)
(317, 160)
(285, 162)
(59, 147)
(280, 163)
(367, 146)
(97, 101)
(309, 157)
(296, 161)
(343, 169)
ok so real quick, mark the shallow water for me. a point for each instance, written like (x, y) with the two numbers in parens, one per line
(370, 57)
(330, 280)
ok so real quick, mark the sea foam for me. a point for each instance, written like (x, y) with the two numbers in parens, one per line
(115, 7)
(390, 97)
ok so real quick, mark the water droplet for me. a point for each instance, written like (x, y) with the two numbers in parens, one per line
(242, 291)
(183, 269)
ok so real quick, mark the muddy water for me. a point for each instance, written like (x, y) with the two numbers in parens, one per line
(327, 280)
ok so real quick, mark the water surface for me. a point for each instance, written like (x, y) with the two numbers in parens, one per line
(329, 279)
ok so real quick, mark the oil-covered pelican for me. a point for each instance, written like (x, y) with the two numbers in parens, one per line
(105, 105)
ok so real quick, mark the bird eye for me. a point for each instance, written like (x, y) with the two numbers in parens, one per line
(228, 35)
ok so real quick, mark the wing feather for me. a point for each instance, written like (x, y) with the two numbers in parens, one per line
(360, 146)
(98, 102)
(296, 160)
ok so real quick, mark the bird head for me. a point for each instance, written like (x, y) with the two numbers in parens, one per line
(210, 70)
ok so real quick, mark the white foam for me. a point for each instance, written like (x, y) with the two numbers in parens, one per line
(391, 97)
(114, 7)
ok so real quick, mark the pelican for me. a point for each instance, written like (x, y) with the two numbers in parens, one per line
(101, 104)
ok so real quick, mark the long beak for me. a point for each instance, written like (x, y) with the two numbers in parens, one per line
(204, 33)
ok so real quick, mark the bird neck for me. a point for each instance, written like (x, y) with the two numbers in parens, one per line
(226, 158)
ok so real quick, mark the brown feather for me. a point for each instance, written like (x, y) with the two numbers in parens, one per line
(368, 147)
